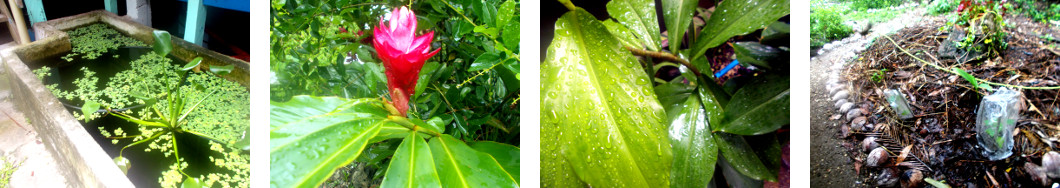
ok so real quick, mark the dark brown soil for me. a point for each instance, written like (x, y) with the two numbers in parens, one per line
(942, 133)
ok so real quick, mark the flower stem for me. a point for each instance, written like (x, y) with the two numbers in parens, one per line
(568, 4)
(408, 124)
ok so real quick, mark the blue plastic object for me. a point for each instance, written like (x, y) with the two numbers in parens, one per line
(727, 68)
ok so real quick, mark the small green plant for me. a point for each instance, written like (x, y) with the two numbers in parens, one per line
(976, 84)
(91, 41)
(879, 75)
(6, 169)
(826, 24)
(983, 24)
(939, 7)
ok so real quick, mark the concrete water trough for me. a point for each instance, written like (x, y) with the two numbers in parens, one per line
(81, 159)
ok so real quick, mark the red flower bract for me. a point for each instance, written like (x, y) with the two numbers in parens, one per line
(402, 53)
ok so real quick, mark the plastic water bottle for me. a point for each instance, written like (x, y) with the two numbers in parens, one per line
(898, 103)
(995, 120)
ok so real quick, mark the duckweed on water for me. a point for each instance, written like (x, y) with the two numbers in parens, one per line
(94, 40)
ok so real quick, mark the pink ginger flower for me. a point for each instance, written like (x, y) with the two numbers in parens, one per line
(403, 54)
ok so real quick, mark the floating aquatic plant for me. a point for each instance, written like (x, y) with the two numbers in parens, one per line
(94, 40)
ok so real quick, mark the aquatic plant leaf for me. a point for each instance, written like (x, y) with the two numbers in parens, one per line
(601, 119)
(122, 163)
(192, 64)
(756, 54)
(678, 14)
(89, 108)
(222, 70)
(733, 18)
(191, 182)
(762, 107)
(163, 45)
(412, 165)
(695, 151)
(639, 16)
(742, 157)
(505, 154)
(311, 137)
(461, 166)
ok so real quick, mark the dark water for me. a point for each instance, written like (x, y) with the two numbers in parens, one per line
(146, 167)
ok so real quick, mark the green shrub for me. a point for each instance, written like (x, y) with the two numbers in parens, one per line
(826, 25)
(939, 7)
(874, 4)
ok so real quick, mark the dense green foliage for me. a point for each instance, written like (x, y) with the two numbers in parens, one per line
(1039, 10)
(91, 41)
(938, 7)
(468, 92)
(827, 25)
(863, 5)
(608, 121)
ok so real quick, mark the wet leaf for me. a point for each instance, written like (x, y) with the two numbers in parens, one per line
(163, 45)
(740, 155)
(695, 151)
(733, 177)
(622, 33)
(733, 18)
(460, 166)
(756, 54)
(762, 107)
(484, 61)
(311, 137)
(775, 31)
(412, 165)
(672, 96)
(506, 155)
(506, 12)
(601, 119)
(639, 16)
(678, 14)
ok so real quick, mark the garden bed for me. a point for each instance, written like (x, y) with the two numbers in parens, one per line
(941, 136)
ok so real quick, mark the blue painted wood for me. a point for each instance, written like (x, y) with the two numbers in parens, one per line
(196, 22)
(35, 9)
(238, 5)
(111, 5)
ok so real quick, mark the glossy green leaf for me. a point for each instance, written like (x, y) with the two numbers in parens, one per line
(733, 177)
(426, 76)
(713, 98)
(89, 107)
(311, 137)
(506, 155)
(741, 156)
(599, 106)
(756, 54)
(639, 16)
(775, 31)
(733, 18)
(192, 183)
(672, 96)
(222, 70)
(484, 61)
(163, 45)
(460, 166)
(622, 33)
(694, 148)
(678, 16)
(192, 64)
(412, 165)
(506, 12)
(971, 79)
(762, 107)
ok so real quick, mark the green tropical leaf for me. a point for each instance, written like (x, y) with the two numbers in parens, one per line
(412, 165)
(460, 166)
(678, 14)
(192, 64)
(732, 18)
(694, 148)
(506, 12)
(763, 107)
(756, 54)
(622, 33)
(311, 137)
(742, 157)
(639, 16)
(599, 106)
(506, 155)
